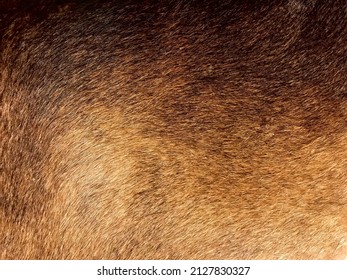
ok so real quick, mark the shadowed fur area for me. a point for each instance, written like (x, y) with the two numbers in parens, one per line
(173, 129)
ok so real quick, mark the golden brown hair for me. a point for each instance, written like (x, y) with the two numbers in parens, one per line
(173, 130)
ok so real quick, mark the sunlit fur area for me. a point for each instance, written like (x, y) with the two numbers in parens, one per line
(173, 129)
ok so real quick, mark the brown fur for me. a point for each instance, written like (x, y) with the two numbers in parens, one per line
(185, 130)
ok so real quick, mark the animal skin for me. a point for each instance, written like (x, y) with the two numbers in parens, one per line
(173, 129)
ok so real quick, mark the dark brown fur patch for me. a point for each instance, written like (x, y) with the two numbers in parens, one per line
(179, 130)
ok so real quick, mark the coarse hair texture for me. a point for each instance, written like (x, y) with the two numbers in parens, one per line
(173, 129)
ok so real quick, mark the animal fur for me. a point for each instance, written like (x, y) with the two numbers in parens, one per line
(173, 130)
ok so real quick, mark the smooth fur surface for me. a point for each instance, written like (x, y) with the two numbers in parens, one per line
(173, 130)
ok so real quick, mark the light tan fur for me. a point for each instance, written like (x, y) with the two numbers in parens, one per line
(181, 130)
